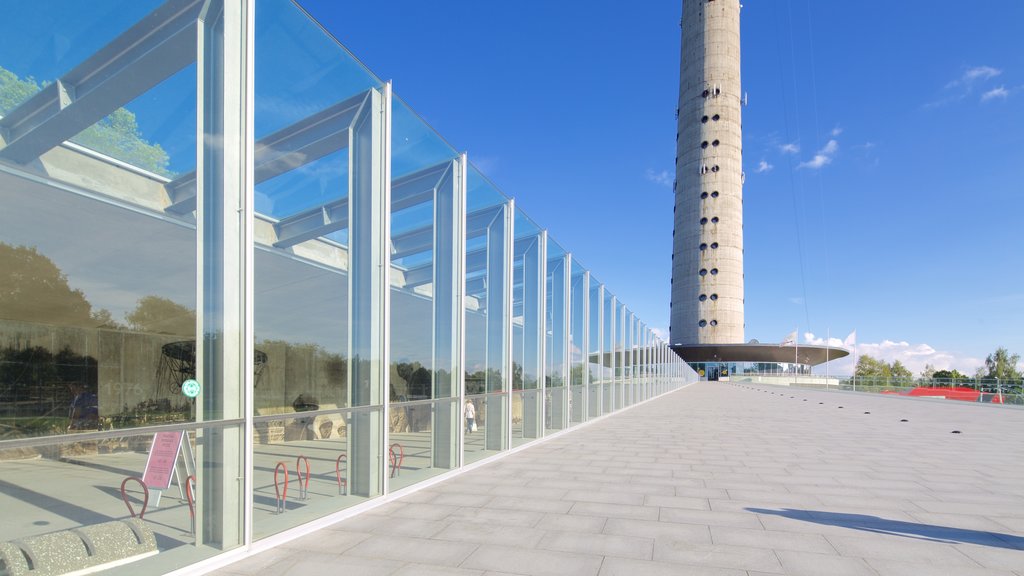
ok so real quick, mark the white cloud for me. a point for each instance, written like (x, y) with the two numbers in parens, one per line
(764, 166)
(979, 73)
(793, 148)
(795, 300)
(961, 87)
(662, 178)
(836, 131)
(1000, 92)
(661, 333)
(913, 356)
(823, 157)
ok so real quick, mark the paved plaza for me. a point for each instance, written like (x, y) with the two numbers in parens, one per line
(715, 479)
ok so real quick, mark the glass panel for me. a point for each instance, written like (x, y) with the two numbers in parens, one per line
(608, 353)
(318, 286)
(98, 274)
(595, 372)
(527, 287)
(426, 235)
(487, 255)
(577, 349)
(555, 338)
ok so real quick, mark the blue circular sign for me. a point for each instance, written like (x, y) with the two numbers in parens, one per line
(191, 388)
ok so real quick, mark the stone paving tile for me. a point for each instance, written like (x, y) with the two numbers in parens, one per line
(716, 555)
(900, 548)
(533, 562)
(616, 497)
(571, 523)
(315, 563)
(487, 533)
(677, 502)
(695, 533)
(709, 517)
(430, 570)
(327, 541)
(771, 539)
(599, 544)
(810, 564)
(627, 567)
(421, 550)
(993, 557)
(614, 510)
(897, 568)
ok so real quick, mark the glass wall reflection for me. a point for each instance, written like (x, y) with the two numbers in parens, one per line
(528, 280)
(577, 343)
(488, 256)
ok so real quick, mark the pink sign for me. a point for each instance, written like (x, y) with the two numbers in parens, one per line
(162, 457)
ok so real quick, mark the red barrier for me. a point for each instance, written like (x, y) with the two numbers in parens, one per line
(337, 472)
(282, 498)
(396, 458)
(303, 485)
(190, 495)
(145, 499)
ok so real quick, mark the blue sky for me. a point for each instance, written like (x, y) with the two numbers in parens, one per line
(883, 148)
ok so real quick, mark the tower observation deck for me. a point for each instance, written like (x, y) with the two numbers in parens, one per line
(707, 255)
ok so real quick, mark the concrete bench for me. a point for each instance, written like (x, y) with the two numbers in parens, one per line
(78, 551)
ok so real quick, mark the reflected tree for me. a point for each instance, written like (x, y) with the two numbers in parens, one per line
(160, 315)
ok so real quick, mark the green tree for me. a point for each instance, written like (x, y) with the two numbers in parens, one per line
(950, 375)
(869, 366)
(899, 371)
(1003, 365)
(33, 289)
(117, 135)
(162, 316)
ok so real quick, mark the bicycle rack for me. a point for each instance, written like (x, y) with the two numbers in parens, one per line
(396, 458)
(303, 481)
(282, 497)
(337, 472)
(145, 500)
(191, 497)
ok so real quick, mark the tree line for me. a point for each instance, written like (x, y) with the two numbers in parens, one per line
(1001, 364)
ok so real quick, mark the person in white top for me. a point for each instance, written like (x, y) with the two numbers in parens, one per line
(469, 411)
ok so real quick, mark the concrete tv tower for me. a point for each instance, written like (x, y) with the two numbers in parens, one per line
(707, 252)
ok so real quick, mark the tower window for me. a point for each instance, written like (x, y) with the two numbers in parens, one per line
(702, 323)
(716, 117)
(714, 271)
(714, 194)
(714, 322)
(703, 195)
(704, 144)
(714, 219)
(703, 271)
(714, 245)
(713, 143)
(705, 93)
(702, 297)
(714, 296)
(714, 168)
(704, 119)
(703, 246)
(703, 221)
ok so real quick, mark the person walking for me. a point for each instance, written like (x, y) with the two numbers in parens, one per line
(470, 413)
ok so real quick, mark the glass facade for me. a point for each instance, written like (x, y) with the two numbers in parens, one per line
(244, 287)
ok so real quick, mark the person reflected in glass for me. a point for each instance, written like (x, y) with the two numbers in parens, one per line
(469, 411)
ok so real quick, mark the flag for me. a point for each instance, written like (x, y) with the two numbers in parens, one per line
(790, 339)
(851, 340)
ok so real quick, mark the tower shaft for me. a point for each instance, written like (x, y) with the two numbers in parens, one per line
(707, 256)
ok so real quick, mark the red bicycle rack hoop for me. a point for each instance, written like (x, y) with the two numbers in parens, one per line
(303, 482)
(337, 472)
(145, 494)
(396, 458)
(282, 496)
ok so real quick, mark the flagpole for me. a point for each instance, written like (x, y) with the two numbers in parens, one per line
(828, 337)
(796, 351)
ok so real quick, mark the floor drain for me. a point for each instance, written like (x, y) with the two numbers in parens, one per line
(904, 420)
(867, 412)
(955, 432)
(840, 406)
(820, 402)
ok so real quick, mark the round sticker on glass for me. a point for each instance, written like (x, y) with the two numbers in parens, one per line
(191, 388)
